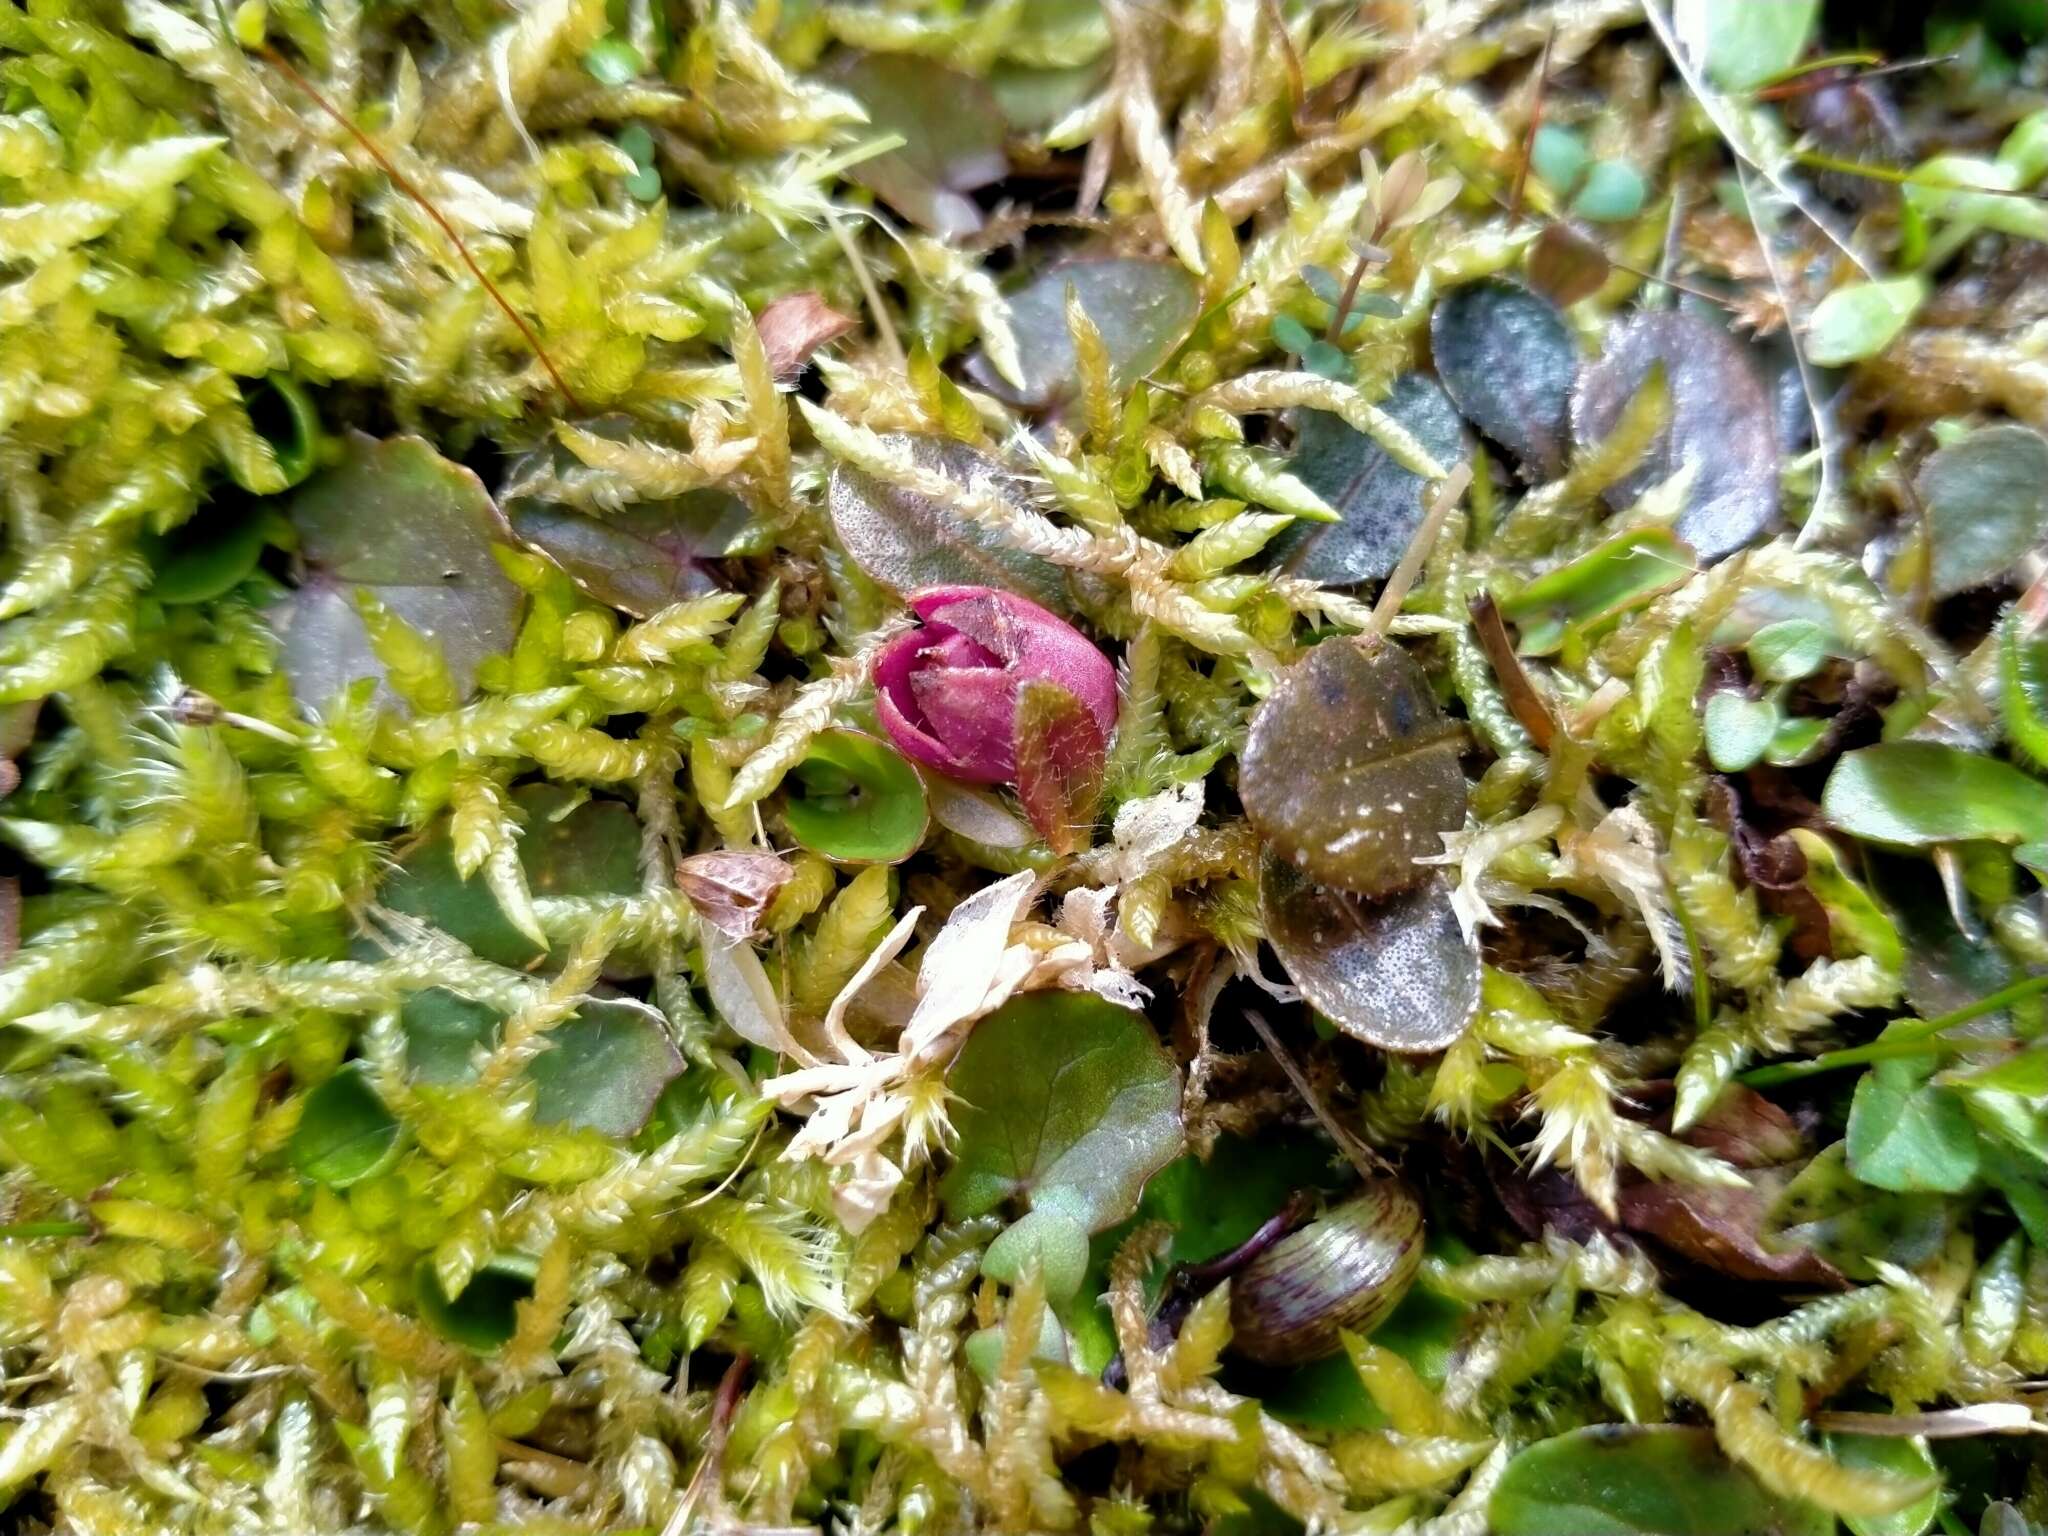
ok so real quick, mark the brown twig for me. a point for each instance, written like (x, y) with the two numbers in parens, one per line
(1535, 123)
(398, 179)
(1515, 683)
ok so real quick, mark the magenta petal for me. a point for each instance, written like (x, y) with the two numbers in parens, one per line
(1037, 644)
(973, 712)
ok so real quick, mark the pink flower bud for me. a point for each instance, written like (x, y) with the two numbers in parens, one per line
(947, 692)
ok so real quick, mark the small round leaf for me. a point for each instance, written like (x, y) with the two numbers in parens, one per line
(1397, 973)
(486, 1313)
(1351, 767)
(344, 1132)
(853, 798)
(1508, 360)
(1065, 1101)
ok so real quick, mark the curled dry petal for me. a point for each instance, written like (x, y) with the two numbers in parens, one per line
(731, 890)
(948, 691)
(796, 325)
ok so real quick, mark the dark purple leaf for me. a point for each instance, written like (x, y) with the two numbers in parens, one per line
(1380, 503)
(1721, 421)
(417, 530)
(1509, 361)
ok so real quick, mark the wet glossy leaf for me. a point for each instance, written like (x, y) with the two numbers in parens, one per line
(1508, 361)
(1142, 308)
(417, 530)
(1065, 1101)
(1902, 1456)
(1606, 582)
(1860, 320)
(952, 132)
(1612, 192)
(642, 557)
(1060, 757)
(1566, 265)
(344, 1132)
(1661, 1480)
(571, 847)
(1379, 504)
(855, 799)
(485, 1314)
(1351, 770)
(1720, 420)
(1918, 793)
(604, 1069)
(1987, 504)
(1743, 43)
(1396, 973)
(1738, 730)
(910, 542)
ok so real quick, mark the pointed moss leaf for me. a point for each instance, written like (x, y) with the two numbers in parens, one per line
(1397, 973)
(907, 542)
(344, 1132)
(2023, 684)
(1908, 1135)
(1918, 793)
(1508, 361)
(1856, 921)
(1612, 192)
(1739, 730)
(1657, 1480)
(1060, 757)
(1860, 320)
(1742, 43)
(417, 530)
(1351, 769)
(604, 1069)
(1609, 580)
(952, 132)
(1142, 308)
(855, 799)
(1559, 156)
(1379, 504)
(1987, 504)
(570, 847)
(486, 1313)
(1064, 1101)
(1051, 1241)
(642, 557)
(1721, 422)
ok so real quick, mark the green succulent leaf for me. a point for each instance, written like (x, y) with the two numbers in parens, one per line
(1067, 1103)
(1661, 1480)
(344, 1133)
